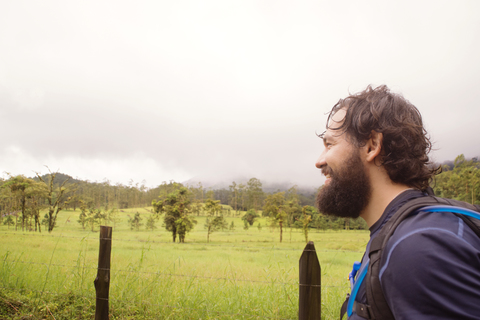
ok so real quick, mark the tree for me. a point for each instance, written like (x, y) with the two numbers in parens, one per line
(461, 183)
(210, 195)
(9, 221)
(358, 224)
(275, 209)
(135, 222)
(7, 203)
(45, 221)
(273, 203)
(234, 196)
(196, 207)
(184, 225)
(176, 207)
(213, 207)
(281, 216)
(94, 217)
(250, 217)
(223, 195)
(27, 193)
(200, 192)
(319, 222)
(254, 194)
(197, 192)
(36, 203)
(82, 218)
(292, 194)
(241, 195)
(54, 197)
(213, 224)
(112, 216)
(151, 223)
(72, 201)
(305, 221)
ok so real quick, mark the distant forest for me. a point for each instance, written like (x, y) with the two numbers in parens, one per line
(36, 201)
(106, 195)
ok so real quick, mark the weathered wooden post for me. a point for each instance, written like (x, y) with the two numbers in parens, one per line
(310, 297)
(102, 281)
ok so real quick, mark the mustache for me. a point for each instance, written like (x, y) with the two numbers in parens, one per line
(327, 170)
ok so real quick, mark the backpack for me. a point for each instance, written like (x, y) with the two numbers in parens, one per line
(377, 307)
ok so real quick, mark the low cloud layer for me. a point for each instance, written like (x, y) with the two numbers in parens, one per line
(172, 90)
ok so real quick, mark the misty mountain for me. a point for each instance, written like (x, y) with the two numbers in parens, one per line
(223, 182)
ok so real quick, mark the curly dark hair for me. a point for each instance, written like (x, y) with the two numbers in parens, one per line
(405, 145)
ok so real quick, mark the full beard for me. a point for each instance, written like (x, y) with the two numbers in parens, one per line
(348, 192)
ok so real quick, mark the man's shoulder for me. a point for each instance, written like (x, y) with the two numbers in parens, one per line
(435, 224)
(428, 243)
(435, 258)
(441, 233)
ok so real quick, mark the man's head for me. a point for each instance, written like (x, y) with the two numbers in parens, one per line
(385, 121)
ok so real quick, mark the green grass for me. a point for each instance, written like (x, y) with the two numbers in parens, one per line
(240, 274)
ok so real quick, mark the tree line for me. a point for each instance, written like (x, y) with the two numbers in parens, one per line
(281, 209)
(459, 180)
(33, 204)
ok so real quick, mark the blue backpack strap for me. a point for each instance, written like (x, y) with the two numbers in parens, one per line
(469, 216)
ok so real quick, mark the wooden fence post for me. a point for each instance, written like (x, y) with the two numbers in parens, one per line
(310, 297)
(102, 281)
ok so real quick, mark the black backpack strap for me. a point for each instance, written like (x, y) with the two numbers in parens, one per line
(343, 310)
(377, 304)
(361, 309)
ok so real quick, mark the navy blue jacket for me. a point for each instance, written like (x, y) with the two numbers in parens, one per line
(431, 265)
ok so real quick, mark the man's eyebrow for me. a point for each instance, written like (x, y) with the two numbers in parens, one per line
(326, 137)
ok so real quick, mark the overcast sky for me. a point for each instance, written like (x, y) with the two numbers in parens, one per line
(170, 90)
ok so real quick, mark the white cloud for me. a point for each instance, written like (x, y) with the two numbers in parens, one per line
(175, 89)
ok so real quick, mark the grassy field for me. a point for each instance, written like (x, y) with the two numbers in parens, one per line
(239, 274)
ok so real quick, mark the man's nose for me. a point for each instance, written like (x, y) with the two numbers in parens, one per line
(321, 161)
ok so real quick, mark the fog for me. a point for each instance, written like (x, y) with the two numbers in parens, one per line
(173, 90)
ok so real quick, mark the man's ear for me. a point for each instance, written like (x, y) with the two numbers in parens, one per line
(373, 147)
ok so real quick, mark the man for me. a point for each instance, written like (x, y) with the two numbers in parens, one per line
(375, 161)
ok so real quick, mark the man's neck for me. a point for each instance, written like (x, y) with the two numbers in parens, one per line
(380, 198)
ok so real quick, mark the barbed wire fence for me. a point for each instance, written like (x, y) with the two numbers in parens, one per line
(307, 286)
